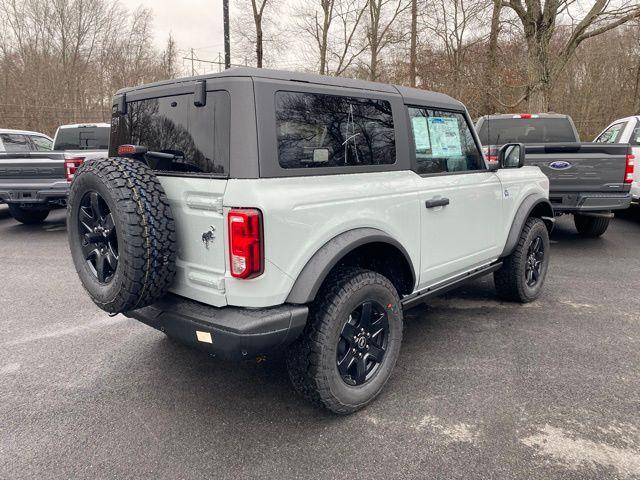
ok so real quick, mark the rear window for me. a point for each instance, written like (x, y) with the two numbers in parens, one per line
(11, 142)
(41, 144)
(498, 131)
(635, 135)
(611, 134)
(316, 130)
(197, 136)
(82, 138)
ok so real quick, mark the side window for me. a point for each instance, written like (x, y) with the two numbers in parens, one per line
(15, 143)
(41, 144)
(443, 142)
(611, 134)
(317, 130)
(635, 135)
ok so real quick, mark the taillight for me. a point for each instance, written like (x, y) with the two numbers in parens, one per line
(131, 150)
(71, 165)
(245, 242)
(126, 150)
(628, 171)
(492, 158)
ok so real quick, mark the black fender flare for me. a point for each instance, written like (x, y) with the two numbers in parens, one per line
(544, 210)
(314, 273)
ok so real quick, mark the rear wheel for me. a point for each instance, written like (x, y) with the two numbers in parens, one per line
(350, 346)
(522, 274)
(29, 215)
(589, 226)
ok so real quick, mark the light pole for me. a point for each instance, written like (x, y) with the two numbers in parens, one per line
(227, 41)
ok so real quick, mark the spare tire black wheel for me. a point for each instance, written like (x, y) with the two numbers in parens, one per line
(121, 234)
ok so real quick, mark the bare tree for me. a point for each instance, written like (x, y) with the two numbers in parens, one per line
(256, 25)
(457, 25)
(258, 12)
(62, 60)
(413, 49)
(383, 15)
(540, 20)
(492, 57)
(333, 27)
(170, 58)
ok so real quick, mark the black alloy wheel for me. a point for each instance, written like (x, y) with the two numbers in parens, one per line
(362, 343)
(535, 258)
(98, 236)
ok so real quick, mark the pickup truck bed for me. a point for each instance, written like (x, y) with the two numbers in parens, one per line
(584, 177)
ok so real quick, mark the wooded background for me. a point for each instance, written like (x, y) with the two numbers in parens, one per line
(62, 60)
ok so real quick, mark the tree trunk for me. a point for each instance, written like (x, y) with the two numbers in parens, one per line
(636, 90)
(327, 17)
(259, 51)
(538, 72)
(414, 43)
(491, 73)
(257, 19)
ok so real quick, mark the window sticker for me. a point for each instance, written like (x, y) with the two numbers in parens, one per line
(445, 137)
(421, 133)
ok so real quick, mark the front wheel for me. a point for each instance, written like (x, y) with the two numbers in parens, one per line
(352, 341)
(29, 215)
(591, 226)
(522, 274)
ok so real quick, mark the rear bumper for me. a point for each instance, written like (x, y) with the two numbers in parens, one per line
(26, 195)
(588, 202)
(229, 332)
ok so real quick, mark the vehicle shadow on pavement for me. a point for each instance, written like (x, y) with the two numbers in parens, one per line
(260, 388)
(55, 223)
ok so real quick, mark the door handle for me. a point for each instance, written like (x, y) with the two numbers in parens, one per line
(436, 202)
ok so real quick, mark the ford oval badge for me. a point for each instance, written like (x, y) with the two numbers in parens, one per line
(560, 165)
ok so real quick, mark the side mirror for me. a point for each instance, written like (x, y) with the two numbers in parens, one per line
(511, 155)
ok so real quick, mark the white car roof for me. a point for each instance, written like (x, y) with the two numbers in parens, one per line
(625, 119)
(85, 125)
(23, 132)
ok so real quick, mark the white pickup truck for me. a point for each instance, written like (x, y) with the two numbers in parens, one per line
(627, 131)
(35, 171)
(256, 210)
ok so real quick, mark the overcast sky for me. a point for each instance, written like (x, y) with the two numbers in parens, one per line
(193, 23)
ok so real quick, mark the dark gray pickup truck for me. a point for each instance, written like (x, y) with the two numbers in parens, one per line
(34, 179)
(588, 180)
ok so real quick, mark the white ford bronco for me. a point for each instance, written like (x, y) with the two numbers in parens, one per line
(256, 210)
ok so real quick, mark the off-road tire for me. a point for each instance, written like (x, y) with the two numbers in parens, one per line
(510, 279)
(311, 360)
(146, 233)
(591, 226)
(28, 216)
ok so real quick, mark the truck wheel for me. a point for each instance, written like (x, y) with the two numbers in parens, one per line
(591, 226)
(28, 216)
(522, 274)
(351, 343)
(121, 234)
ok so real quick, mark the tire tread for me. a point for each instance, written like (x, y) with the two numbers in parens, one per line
(149, 236)
(308, 374)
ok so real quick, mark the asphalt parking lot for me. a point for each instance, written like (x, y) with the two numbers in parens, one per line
(482, 389)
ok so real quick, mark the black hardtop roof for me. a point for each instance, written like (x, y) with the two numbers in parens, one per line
(410, 95)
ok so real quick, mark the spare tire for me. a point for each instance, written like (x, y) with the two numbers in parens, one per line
(122, 234)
